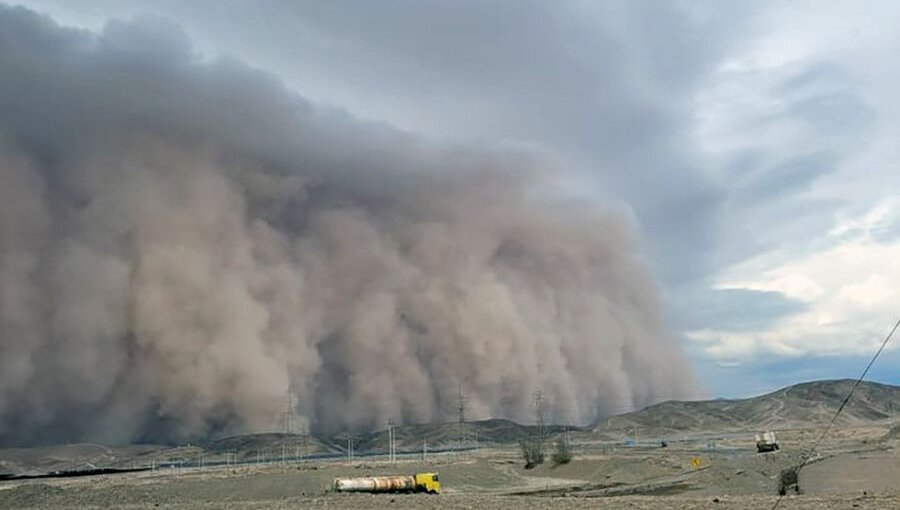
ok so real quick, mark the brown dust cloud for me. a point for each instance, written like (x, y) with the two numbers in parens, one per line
(183, 240)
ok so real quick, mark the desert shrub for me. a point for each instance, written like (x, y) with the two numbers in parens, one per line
(532, 452)
(787, 479)
(563, 453)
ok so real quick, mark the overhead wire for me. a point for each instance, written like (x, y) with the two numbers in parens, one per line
(806, 458)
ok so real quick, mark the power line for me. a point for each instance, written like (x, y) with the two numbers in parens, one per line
(805, 458)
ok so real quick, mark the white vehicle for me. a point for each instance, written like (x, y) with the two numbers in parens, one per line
(766, 442)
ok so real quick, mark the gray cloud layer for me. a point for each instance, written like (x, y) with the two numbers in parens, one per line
(181, 241)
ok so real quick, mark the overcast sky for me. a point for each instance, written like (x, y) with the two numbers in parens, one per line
(751, 145)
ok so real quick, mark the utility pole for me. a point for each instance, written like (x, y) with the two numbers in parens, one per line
(461, 400)
(390, 428)
(350, 439)
(390, 442)
(306, 443)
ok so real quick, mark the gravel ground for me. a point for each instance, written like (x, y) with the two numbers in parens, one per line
(852, 476)
(37, 499)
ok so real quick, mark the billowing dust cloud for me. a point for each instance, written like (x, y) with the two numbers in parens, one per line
(183, 241)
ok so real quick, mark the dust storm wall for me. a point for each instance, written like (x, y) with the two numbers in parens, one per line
(182, 240)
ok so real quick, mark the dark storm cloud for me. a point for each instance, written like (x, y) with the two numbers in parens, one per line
(784, 178)
(822, 95)
(739, 310)
(609, 86)
(182, 240)
(825, 121)
(619, 91)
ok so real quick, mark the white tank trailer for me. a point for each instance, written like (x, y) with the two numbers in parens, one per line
(420, 482)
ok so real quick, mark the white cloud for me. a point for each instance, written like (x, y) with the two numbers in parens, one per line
(801, 125)
(879, 219)
(851, 290)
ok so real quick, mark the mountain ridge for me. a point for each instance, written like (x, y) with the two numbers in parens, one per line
(803, 404)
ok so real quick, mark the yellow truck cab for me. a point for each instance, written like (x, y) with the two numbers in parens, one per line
(428, 482)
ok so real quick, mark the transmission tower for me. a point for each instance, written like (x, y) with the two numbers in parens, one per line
(288, 412)
(392, 450)
(539, 412)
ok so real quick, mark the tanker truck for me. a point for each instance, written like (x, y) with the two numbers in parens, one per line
(419, 482)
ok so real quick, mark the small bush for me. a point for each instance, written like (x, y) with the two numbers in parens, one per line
(787, 479)
(532, 452)
(563, 453)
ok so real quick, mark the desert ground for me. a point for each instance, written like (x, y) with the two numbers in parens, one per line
(857, 467)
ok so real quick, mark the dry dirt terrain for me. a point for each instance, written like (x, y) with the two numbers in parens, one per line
(709, 461)
(859, 467)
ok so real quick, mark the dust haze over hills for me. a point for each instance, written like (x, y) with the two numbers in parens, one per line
(183, 240)
(803, 406)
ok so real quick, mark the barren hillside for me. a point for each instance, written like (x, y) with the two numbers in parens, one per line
(799, 405)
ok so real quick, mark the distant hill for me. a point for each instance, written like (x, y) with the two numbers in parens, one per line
(802, 405)
(894, 433)
(44, 459)
(408, 437)
(446, 435)
(247, 446)
(795, 406)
